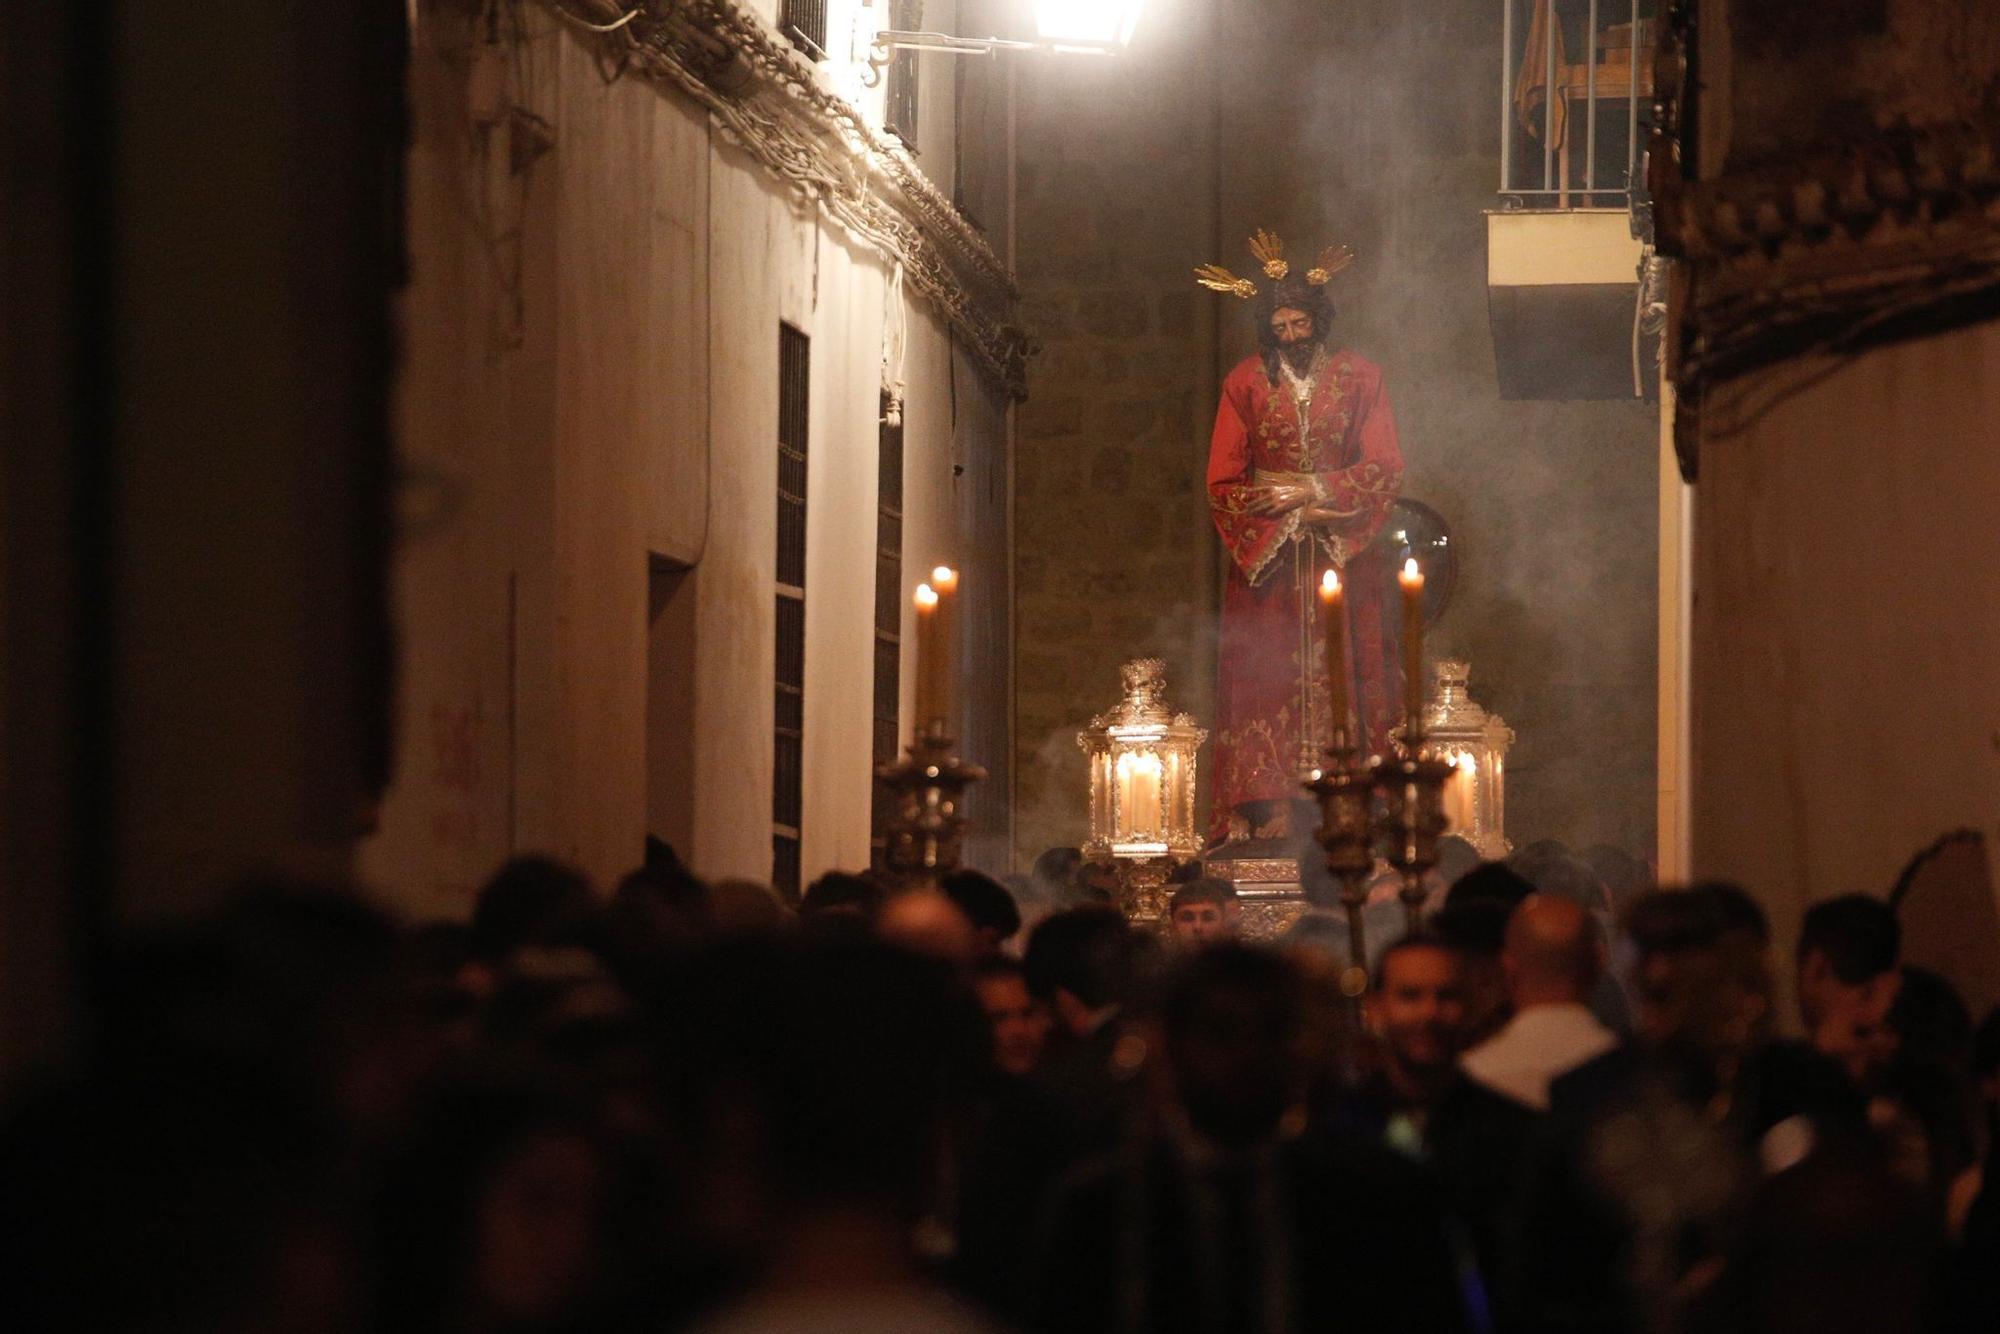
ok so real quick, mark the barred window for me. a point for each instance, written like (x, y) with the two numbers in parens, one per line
(803, 24)
(899, 109)
(888, 608)
(787, 768)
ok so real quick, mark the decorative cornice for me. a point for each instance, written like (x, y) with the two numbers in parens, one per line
(1817, 255)
(1841, 240)
(767, 99)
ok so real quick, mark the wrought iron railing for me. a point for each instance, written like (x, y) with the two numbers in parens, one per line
(1570, 128)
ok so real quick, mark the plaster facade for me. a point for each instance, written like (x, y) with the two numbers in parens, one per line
(1846, 623)
(588, 420)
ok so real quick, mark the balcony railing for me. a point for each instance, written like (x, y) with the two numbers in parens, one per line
(1576, 87)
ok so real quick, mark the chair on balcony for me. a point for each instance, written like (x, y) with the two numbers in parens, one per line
(1554, 26)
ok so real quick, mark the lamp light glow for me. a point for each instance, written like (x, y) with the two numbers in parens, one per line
(1088, 23)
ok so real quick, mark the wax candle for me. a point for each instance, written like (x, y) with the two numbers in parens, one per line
(1412, 581)
(1333, 624)
(944, 582)
(1122, 829)
(1145, 798)
(927, 655)
(1459, 792)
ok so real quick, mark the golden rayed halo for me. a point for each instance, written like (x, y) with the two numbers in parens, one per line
(1331, 261)
(1218, 279)
(1269, 251)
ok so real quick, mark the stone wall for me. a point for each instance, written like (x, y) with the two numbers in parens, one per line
(1375, 124)
(1114, 553)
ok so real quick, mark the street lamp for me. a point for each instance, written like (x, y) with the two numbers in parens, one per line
(1097, 24)
(1075, 27)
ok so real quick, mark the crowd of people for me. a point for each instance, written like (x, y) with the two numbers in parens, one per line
(1560, 1104)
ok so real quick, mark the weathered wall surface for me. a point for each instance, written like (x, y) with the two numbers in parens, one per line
(1847, 622)
(1115, 556)
(1374, 124)
(588, 418)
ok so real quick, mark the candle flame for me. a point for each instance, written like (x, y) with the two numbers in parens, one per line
(944, 579)
(926, 596)
(1410, 570)
(1467, 763)
(1329, 583)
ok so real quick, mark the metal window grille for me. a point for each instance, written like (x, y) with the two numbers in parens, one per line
(803, 23)
(1576, 89)
(787, 768)
(899, 106)
(888, 605)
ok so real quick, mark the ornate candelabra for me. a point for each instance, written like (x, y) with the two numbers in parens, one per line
(926, 834)
(1142, 780)
(1411, 780)
(1394, 802)
(1345, 787)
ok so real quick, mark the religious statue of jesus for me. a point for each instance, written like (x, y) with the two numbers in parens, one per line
(1302, 469)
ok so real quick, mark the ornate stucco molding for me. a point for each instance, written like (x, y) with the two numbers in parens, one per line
(1843, 242)
(767, 99)
(1811, 253)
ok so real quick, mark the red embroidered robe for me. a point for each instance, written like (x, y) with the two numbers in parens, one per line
(1341, 442)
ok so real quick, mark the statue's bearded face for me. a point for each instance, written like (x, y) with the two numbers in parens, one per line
(1296, 335)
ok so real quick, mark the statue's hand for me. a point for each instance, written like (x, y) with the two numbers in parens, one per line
(1325, 514)
(1280, 499)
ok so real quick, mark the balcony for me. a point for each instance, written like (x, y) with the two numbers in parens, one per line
(1563, 256)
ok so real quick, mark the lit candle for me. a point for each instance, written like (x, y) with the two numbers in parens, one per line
(1459, 791)
(1122, 829)
(927, 655)
(1145, 792)
(944, 581)
(1333, 624)
(1412, 581)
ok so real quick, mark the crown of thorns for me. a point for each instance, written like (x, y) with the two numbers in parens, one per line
(1269, 251)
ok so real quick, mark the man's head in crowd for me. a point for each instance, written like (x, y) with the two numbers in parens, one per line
(1071, 880)
(1477, 929)
(1456, 858)
(862, 1047)
(531, 901)
(1623, 876)
(1848, 949)
(1233, 1024)
(927, 922)
(1745, 942)
(1695, 974)
(1056, 868)
(1493, 882)
(1019, 1021)
(1552, 954)
(1080, 963)
(1097, 883)
(994, 915)
(1202, 912)
(843, 895)
(1417, 1009)
(1553, 869)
